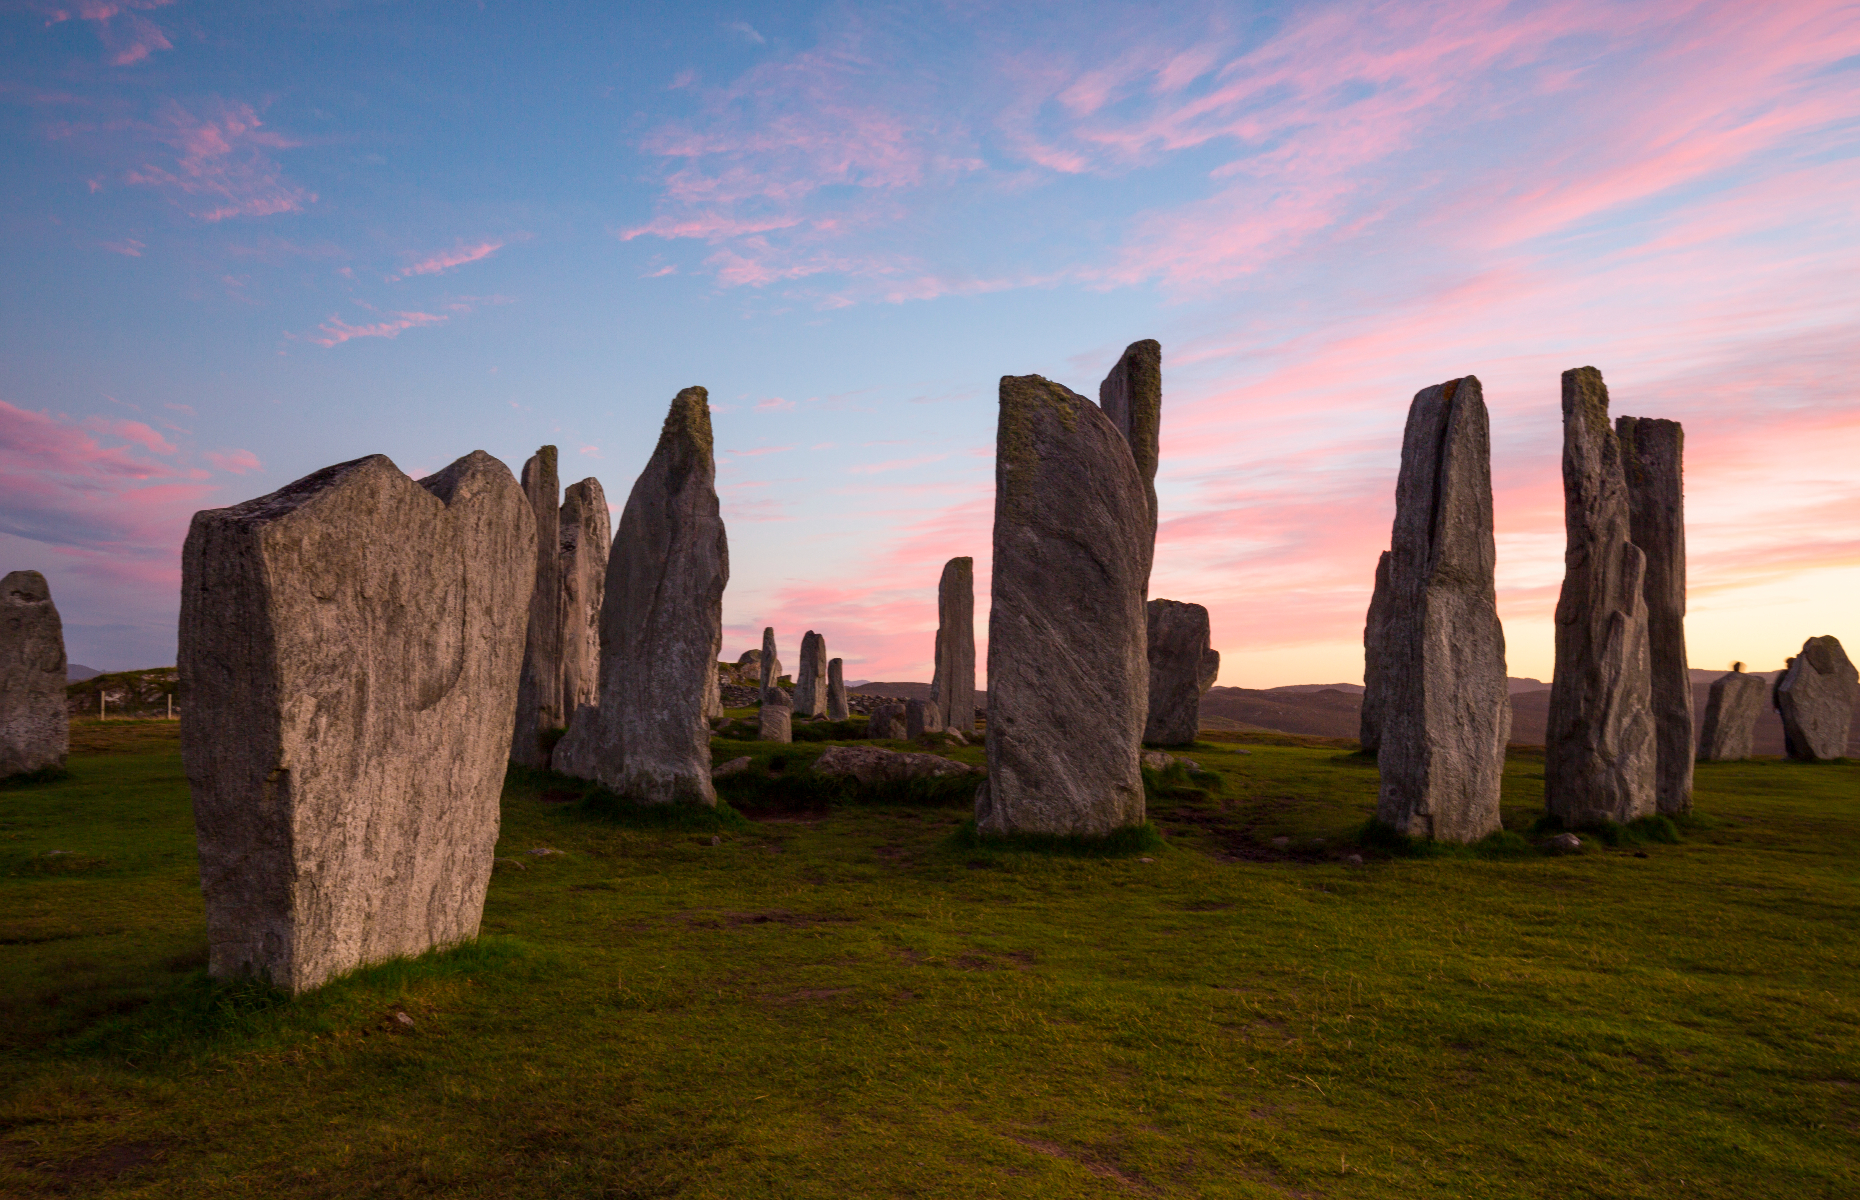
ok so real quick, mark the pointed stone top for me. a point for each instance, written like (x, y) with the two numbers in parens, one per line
(689, 420)
(1131, 395)
(24, 587)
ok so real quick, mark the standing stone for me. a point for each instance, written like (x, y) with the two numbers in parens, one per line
(1446, 708)
(1131, 395)
(1068, 671)
(1183, 666)
(1652, 459)
(1730, 726)
(775, 719)
(539, 689)
(810, 680)
(887, 722)
(35, 731)
(349, 657)
(921, 717)
(661, 625)
(1816, 698)
(767, 663)
(585, 537)
(952, 682)
(836, 692)
(1599, 755)
(1375, 640)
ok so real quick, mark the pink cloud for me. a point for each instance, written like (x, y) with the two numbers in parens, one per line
(127, 36)
(894, 464)
(758, 451)
(774, 404)
(446, 260)
(236, 461)
(336, 331)
(220, 166)
(128, 247)
(131, 431)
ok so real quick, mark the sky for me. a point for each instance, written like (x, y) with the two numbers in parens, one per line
(245, 241)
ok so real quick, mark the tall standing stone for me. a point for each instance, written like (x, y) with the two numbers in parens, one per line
(1600, 757)
(769, 664)
(661, 625)
(1183, 666)
(1652, 459)
(539, 688)
(1375, 640)
(35, 731)
(1131, 395)
(1446, 708)
(952, 682)
(1068, 672)
(349, 656)
(1729, 730)
(836, 691)
(1816, 697)
(584, 533)
(810, 679)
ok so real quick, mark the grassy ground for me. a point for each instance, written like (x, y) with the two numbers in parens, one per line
(845, 1000)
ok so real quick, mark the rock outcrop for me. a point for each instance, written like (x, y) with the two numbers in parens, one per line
(1068, 669)
(1600, 756)
(836, 691)
(875, 764)
(1446, 710)
(810, 678)
(539, 689)
(921, 717)
(1730, 726)
(1183, 666)
(349, 655)
(952, 683)
(1652, 460)
(585, 536)
(1816, 698)
(35, 732)
(1375, 639)
(775, 719)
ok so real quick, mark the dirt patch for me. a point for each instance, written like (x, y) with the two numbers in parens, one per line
(773, 916)
(106, 1163)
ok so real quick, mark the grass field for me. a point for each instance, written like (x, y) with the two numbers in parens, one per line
(849, 1000)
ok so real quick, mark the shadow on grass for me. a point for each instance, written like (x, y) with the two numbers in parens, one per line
(1377, 835)
(1120, 843)
(1642, 831)
(34, 778)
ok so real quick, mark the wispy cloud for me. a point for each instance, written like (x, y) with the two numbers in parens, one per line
(336, 331)
(127, 36)
(775, 404)
(131, 431)
(448, 259)
(219, 162)
(128, 247)
(238, 462)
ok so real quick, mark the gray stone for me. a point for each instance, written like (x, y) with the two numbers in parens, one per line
(661, 626)
(1816, 698)
(1156, 760)
(1068, 670)
(539, 690)
(887, 722)
(952, 682)
(1562, 843)
(1183, 666)
(810, 679)
(349, 654)
(1599, 754)
(750, 658)
(921, 717)
(956, 735)
(775, 719)
(767, 662)
(585, 536)
(1652, 460)
(1729, 730)
(1446, 708)
(1131, 395)
(1375, 643)
(836, 692)
(875, 764)
(35, 731)
(730, 768)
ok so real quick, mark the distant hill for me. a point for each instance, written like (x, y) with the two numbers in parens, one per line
(78, 672)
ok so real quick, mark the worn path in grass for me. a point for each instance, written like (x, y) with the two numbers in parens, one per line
(844, 1002)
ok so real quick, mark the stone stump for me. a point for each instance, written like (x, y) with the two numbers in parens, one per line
(1652, 459)
(836, 692)
(1375, 638)
(887, 721)
(350, 647)
(585, 536)
(921, 717)
(775, 719)
(1730, 726)
(1600, 756)
(1816, 698)
(1183, 666)
(1446, 708)
(810, 678)
(35, 730)
(952, 683)
(1068, 669)
(539, 689)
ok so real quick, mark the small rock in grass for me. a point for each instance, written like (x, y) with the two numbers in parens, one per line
(1241, 750)
(1563, 843)
(730, 768)
(1156, 760)
(1146, 860)
(544, 851)
(403, 1022)
(1281, 842)
(1191, 764)
(715, 840)
(56, 853)
(1355, 860)
(955, 735)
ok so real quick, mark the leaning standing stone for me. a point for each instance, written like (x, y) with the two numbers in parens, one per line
(836, 692)
(349, 654)
(1183, 666)
(1730, 725)
(810, 680)
(584, 541)
(539, 690)
(1068, 672)
(1599, 755)
(35, 730)
(1652, 458)
(952, 684)
(921, 717)
(1375, 638)
(1816, 697)
(775, 719)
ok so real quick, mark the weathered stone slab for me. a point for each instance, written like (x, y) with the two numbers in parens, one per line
(35, 731)
(1652, 460)
(1730, 726)
(1131, 395)
(810, 680)
(952, 682)
(1183, 666)
(836, 691)
(775, 719)
(1599, 756)
(921, 717)
(1375, 645)
(350, 647)
(1816, 697)
(585, 535)
(1446, 712)
(661, 625)
(875, 764)
(539, 689)
(886, 722)
(1068, 670)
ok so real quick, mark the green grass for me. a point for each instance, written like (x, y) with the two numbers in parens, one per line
(846, 999)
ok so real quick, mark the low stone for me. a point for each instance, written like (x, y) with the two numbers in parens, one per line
(1816, 697)
(1183, 666)
(1282, 842)
(875, 764)
(730, 768)
(775, 719)
(887, 722)
(836, 691)
(1156, 760)
(750, 658)
(35, 731)
(921, 717)
(810, 680)
(1355, 860)
(544, 851)
(716, 840)
(1562, 843)
(403, 1022)
(956, 735)
(1729, 731)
